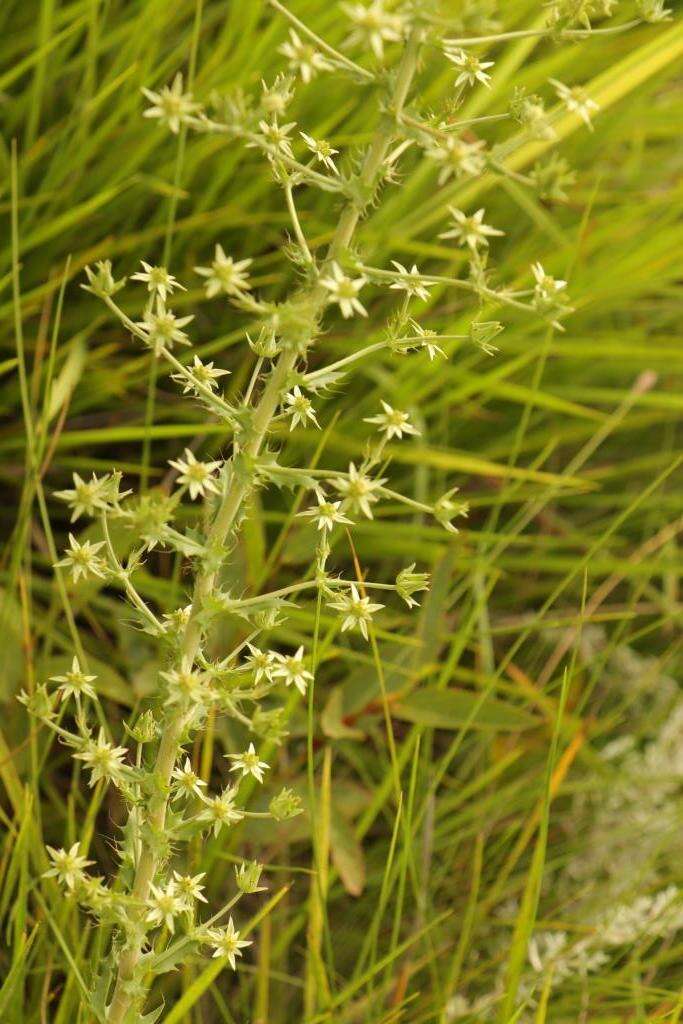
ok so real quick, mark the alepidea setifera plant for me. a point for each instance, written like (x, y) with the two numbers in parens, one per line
(154, 909)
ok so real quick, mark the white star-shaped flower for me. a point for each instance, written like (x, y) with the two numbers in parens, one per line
(248, 763)
(357, 610)
(197, 476)
(392, 422)
(471, 230)
(225, 276)
(344, 291)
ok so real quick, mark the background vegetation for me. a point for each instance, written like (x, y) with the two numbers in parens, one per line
(552, 807)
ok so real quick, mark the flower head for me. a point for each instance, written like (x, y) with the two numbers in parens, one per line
(303, 58)
(357, 610)
(67, 865)
(374, 24)
(458, 158)
(291, 669)
(471, 230)
(276, 136)
(104, 760)
(472, 69)
(299, 408)
(410, 281)
(225, 276)
(358, 490)
(75, 683)
(392, 422)
(262, 663)
(327, 513)
(158, 280)
(227, 943)
(163, 329)
(409, 582)
(83, 560)
(202, 375)
(196, 476)
(344, 291)
(87, 497)
(187, 781)
(322, 151)
(248, 763)
(164, 905)
(189, 889)
(576, 100)
(171, 106)
(221, 810)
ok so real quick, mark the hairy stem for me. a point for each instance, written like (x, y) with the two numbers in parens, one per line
(123, 998)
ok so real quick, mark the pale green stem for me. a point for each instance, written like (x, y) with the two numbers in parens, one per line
(167, 752)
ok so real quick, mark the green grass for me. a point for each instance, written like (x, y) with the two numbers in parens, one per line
(462, 798)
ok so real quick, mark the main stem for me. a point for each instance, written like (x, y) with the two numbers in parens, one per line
(167, 753)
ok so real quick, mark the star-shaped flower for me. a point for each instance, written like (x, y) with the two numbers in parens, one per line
(75, 683)
(358, 489)
(291, 669)
(344, 291)
(172, 107)
(357, 610)
(158, 280)
(248, 763)
(225, 276)
(197, 476)
(392, 422)
(471, 230)
(227, 943)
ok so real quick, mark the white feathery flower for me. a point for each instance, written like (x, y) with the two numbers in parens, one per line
(471, 230)
(411, 281)
(472, 69)
(163, 328)
(358, 490)
(344, 291)
(326, 514)
(303, 58)
(158, 280)
(374, 24)
(197, 476)
(67, 865)
(322, 151)
(392, 422)
(164, 905)
(171, 106)
(227, 943)
(75, 683)
(248, 763)
(82, 559)
(187, 781)
(291, 669)
(300, 408)
(357, 610)
(225, 276)
(576, 100)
